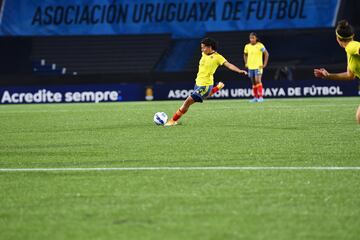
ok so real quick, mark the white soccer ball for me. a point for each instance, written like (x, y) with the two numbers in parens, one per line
(160, 118)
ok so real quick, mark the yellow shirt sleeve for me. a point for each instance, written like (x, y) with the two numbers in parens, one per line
(246, 49)
(221, 60)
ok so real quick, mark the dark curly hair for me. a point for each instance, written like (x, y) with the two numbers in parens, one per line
(209, 42)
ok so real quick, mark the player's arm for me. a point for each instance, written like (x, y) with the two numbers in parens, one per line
(245, 59)
(266, 58)
(323, 73)
(234, 68)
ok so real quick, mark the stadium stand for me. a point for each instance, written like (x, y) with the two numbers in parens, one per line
(14, 57)
(99, 54)
(155, 57)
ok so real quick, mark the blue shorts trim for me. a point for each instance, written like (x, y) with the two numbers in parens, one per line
(201, 92)
(254, 72)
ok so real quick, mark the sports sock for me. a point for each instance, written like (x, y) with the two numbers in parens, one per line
(260, 90)
(177, 115)
(214, 90)
(255, 92)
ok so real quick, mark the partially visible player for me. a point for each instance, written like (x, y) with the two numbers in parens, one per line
(256, 58)
(208, 64)
(345, 38)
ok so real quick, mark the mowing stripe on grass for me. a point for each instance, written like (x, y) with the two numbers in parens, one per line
(219, 168)
(243, 107)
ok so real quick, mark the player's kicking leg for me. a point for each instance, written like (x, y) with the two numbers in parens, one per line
(199, 94)
(358, 115)
(181, 111)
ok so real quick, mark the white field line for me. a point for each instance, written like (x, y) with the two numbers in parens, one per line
(218, 168)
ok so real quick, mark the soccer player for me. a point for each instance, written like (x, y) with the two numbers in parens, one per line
(345, 37)
(204, 82)
(256, 58)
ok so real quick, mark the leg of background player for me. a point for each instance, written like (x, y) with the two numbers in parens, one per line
(259, 88)
(254, 90)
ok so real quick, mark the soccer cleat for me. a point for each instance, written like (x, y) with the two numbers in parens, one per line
(260, 99)
(171, 123)
(254, 100)
(220, 85)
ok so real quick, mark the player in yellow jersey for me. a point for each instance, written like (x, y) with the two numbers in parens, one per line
(345, 38)
(256, 58)
(204, 82)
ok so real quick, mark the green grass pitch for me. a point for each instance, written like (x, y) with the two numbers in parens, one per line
(181, 204)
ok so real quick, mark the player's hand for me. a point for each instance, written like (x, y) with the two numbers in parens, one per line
(321, 73)
(243, 72)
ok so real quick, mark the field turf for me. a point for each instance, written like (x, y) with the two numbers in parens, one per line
(185, 203)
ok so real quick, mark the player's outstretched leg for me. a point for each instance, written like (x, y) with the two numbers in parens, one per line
(181, 111)
(358, 115)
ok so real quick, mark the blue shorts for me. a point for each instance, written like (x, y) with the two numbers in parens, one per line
(201, 92)
(254, 72)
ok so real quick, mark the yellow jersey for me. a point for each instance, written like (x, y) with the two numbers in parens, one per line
(353, 57)
(254, 55)
(207, 67)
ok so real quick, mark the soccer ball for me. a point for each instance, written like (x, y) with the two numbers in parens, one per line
(160, 118)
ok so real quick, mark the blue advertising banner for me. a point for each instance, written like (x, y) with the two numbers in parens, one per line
(72, 93)
(189, 18)
(272, 89)
(236, 89)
